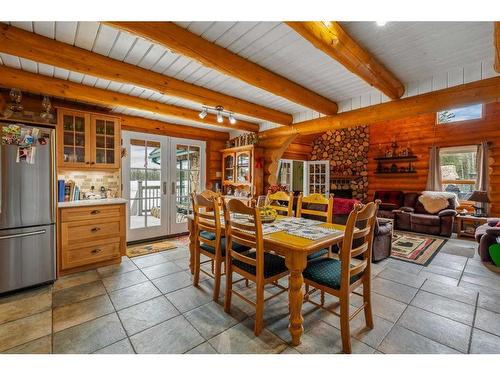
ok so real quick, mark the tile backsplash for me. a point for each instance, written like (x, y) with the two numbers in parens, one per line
(86, 179)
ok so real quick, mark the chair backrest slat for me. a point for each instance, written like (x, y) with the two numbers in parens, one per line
(316, 199)
(360, 228)
(207, 218)
(281, 196)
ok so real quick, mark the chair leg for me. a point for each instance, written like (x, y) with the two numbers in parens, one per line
(367, 299)
(229, 285)
(322, 298)
(247, 284)
(217, 279)
(345, 330)
(212, 264)
(259, 307)
(196, 277)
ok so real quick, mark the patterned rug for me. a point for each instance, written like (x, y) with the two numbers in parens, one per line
(149, 248)
(415, 248)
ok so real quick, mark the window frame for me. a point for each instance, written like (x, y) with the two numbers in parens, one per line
(483, 109)
(457, 149)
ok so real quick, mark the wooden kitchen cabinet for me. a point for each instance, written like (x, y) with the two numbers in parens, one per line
(88, 140)
(90, 236)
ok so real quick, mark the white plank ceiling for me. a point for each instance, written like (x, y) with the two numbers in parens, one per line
(419, 53)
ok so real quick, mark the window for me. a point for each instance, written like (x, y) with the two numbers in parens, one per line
(472, 112)
(459, 170)
(306, 176)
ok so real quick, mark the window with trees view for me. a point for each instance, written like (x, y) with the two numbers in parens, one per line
(471, 112)
(459, 170)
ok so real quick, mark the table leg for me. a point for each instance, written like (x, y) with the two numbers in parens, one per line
(192, 240)
(296, 262)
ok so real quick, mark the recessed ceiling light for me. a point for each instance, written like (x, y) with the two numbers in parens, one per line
(381, 23)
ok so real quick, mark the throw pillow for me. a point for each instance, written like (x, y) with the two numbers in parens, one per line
(498, 224)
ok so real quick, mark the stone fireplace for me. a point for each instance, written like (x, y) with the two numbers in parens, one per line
(347, 151)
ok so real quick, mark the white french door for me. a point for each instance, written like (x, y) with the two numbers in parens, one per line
(154, 172)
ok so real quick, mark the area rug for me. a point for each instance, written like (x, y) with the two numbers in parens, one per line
(149, 248)
(415, 248)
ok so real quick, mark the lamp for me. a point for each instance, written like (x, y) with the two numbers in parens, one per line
(480, 197)
(203, 113)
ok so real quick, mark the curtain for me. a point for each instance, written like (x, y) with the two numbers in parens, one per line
(482, 170)
(434, 176)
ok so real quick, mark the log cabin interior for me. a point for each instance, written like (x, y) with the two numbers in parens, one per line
(245, 187)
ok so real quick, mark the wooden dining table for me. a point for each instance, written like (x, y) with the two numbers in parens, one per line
(295, 250)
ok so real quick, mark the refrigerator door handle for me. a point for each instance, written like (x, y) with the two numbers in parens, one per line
(22, 234)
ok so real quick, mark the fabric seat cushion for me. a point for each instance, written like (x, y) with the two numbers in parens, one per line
(273, 264)
(317, 254)
(211, 236)
(326, 271)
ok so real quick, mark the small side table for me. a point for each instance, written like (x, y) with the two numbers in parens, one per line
(467, 224)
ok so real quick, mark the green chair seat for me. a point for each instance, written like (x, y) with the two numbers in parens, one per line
(211, 236)
(273, 265)
(317, 254)
(326, 271)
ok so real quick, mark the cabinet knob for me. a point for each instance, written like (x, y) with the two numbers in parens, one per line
(87, 162)
(96, 251)
(92, 163)
(95, 229)
(94, 212)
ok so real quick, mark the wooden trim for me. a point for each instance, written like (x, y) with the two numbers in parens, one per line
(332, 39)
(36, 83)
(483, 91)
(38, 48)
(215, 57)
(496, 42)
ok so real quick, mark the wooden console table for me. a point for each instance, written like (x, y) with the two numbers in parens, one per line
(468, 220)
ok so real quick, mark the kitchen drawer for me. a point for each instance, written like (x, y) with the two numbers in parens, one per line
(90, 213)
(76, 232)
(99, 251)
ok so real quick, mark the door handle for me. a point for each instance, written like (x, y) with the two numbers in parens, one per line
(18, 235)
(173, 187)
(95, 229)
(94, 212)
(96, 251)
(164, 188)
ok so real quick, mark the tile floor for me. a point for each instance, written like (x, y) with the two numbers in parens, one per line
(148, 305)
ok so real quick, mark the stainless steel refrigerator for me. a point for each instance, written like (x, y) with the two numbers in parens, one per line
(27, 213)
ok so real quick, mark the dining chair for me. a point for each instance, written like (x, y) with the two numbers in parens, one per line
(341, 276)
(256, 264)
(209, 239)
(318, 206)
(281, 196)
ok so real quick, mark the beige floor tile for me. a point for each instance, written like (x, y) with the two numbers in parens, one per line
(391, 289)
(412, 280)
(125, 266)
(204, 348)
(78, 293)
(191, 297)
(42, 345)
(149, 260)
(123, 280)
(402, 341)
(90, 336)
(147, 314)
(24, 330)
(80, 312)
(76, 279)
(435, 327)
(453, 292)
(173, 282)
(443, 306)
(240, 339)
(25, 303)
(439, 278)
(489, 300)
(488, 321)
(132, 295)
(386, 308)
(175, 336)
(160, 270)
(488, 282)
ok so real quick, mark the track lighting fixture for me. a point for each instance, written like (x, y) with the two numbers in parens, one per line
(219, 112)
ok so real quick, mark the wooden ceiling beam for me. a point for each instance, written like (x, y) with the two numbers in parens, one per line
(215, 57)
(332, 39)
(38, 48)
(37, 83)
(484, 91)
(497, 46)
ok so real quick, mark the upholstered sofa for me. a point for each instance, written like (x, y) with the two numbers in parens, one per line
(412, 216)
(486, 235)
(382, 240)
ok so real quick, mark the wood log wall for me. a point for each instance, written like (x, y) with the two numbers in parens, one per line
(422, 133)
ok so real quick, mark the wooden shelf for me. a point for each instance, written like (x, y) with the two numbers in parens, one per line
(344, 177)
(398, 158)
(394, 173)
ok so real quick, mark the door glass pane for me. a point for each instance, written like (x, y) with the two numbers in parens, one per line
(145, 183)
(100, 156)
(80, 124)
(68, 122)
(187, 178)
(110, 128)
(99, 127)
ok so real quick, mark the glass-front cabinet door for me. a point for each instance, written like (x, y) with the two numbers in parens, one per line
(106, 141)
(229, 167)
(243, 167)
(74, 140)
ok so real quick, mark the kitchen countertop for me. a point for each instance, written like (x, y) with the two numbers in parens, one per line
(91, 202)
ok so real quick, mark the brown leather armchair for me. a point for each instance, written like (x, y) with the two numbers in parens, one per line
(414, 217)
